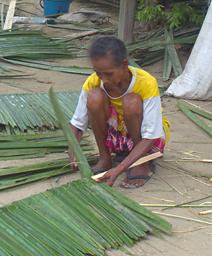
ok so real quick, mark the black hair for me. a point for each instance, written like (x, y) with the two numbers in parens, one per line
(109, 44)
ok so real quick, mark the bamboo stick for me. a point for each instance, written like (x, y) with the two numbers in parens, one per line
(190, 160)
(189, 202)
(174, 205)
(205, 212)
(183, 218)
(10, 13)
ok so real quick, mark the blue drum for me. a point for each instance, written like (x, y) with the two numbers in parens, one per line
(54, 8)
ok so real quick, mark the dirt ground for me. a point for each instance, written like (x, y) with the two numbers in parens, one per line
(174, 181)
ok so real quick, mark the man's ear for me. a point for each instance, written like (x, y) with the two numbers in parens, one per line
(125, 63)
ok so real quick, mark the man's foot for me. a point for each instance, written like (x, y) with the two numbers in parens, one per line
(138, 176)
(103, 165)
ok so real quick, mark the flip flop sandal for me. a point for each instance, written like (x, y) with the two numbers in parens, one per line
(138, 177)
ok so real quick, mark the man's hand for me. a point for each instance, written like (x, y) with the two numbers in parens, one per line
(110, 177)
(72, 161)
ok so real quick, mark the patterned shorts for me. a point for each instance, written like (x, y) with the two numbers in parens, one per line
(121, 142)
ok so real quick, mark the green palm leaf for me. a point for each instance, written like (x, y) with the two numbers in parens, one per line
(81, 218)
(70, 137)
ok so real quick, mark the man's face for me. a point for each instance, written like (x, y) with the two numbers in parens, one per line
(108, 72)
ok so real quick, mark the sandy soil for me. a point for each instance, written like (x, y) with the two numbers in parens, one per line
(173, 181)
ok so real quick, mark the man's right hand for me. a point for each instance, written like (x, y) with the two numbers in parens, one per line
(72, 161)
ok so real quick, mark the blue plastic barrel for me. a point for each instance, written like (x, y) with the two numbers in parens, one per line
(54, 8)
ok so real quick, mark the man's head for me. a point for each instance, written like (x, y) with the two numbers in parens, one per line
(108, 55)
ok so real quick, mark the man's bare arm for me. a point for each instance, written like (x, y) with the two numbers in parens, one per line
(78, 134)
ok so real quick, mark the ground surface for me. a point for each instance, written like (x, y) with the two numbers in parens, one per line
(172, 183)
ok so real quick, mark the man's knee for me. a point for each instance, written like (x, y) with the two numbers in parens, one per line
(96, 98)
(132, 104)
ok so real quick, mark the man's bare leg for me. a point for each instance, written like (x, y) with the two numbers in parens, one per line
(98, 110)
(133, 116)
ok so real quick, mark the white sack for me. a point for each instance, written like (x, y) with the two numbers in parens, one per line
(196, 80)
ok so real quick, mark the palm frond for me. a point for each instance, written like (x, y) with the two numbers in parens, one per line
(52, 67)
(81, 218)
(29, 112)
(70, 137)
(172, 54)
(193, 112)
(16, 176)
(150, 47)
(37, 145)
(31, 45)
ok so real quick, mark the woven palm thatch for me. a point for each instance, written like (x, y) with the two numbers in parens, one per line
(81, 218)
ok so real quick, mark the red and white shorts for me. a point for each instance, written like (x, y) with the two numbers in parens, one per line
(118, 142)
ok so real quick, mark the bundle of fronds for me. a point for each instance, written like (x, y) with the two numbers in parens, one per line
(8, 72)
(81, 218)
(22, 175)
(52, 66)
(81, 26)
(37, 145)
(194, 113)
(16, 176)
(31, 45)
(30, 112)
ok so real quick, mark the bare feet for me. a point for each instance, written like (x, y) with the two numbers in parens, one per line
(137, 176)
(103, 165)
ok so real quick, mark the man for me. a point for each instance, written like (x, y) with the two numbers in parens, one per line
(123, 106)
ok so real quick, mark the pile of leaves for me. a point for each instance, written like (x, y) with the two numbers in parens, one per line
(26, 146)
(80, 218)
(31, 45)
(33, 112)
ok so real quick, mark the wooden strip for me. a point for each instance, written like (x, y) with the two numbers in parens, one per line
(10, 14)
(182, 217)
(205, 212)
(142, 160)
